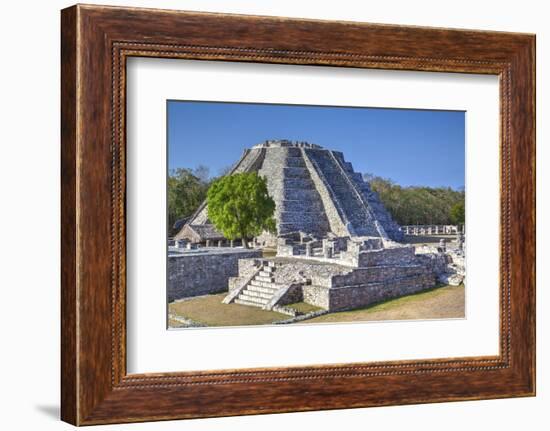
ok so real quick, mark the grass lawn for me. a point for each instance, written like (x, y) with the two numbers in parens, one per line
(269, 252)
(439, 303)
(175, 324)
(303, 307)
(210, 311)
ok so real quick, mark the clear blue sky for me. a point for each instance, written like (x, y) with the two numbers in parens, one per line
(412, 147)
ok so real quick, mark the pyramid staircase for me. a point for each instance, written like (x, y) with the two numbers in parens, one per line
(261, 289)
(341, 185)
(301, 208)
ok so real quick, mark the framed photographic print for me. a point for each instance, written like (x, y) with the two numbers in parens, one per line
(266, 215)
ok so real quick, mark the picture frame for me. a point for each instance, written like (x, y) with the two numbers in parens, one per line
(96, 42)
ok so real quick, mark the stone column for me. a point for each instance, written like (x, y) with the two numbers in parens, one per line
(231, 244)
(220, 243)
(308, 249)
(207, 243)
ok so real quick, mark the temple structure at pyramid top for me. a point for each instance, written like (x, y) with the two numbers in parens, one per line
(316, 193)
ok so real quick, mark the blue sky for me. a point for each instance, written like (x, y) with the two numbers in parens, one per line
(412, 147)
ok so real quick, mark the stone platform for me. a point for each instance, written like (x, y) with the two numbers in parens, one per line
(378, 275)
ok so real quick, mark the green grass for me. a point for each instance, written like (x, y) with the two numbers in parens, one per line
(437, 303)
(210, 310)
(269, 252)
(303, 307)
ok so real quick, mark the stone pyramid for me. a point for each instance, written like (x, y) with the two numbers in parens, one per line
(315, 190)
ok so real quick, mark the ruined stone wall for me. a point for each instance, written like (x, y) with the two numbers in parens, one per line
(350, 297)
(246, 268)
(291, 272)
(404, 255)
(205, 272)
(292, 295)
(378, 274)
(317, 295)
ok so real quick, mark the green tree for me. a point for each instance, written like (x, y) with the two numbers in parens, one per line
(186, 190)
(457, 213)
(417, 205)
(240, 206)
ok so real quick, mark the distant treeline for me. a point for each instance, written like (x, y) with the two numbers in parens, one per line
(186, 190)
(419, 205)
(408, 205)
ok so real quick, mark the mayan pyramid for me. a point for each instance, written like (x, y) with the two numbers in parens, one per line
(315, 190)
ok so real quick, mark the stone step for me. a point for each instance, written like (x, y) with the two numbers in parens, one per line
(268, 279)
(300, 194)
(254, 299)
(266, 290)
(295, 172)
(266, 272)
(295, 162)
(318, 229)
(293, 152)
(298, 183)
(256, 294)
(300, 217)
(269, 264)
(248, 303)
(268, 285)
(301, 205)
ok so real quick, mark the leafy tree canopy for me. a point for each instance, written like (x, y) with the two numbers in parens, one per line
(418, 205)
(186, 191)
(240, 206)
(457, 213)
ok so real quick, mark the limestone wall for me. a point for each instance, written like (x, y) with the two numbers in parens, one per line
(350, 297)
(378, 274)
(204, 271)
(317, 295)
(388, 256)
